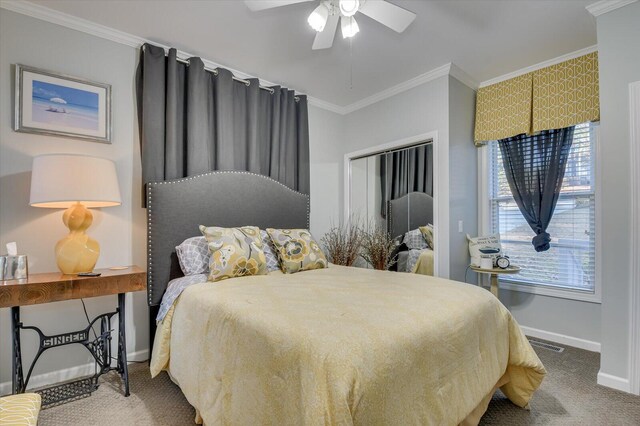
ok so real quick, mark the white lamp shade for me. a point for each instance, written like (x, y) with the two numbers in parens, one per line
(61, 180)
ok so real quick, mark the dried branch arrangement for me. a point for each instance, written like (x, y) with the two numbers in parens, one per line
(378, 247)
(342, 243)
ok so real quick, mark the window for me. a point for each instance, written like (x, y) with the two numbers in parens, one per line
(570, 262)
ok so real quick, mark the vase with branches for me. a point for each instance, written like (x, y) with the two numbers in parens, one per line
(378, 247)
(342, 242)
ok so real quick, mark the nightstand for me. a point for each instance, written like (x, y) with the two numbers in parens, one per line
(55, 287)
(495, 272)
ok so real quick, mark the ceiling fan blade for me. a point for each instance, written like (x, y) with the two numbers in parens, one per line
(324, 39)
(257, 5)
(394, 17)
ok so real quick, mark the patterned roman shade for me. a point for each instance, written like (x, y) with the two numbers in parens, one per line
(566, 94)
(554, 97)
(504, 109)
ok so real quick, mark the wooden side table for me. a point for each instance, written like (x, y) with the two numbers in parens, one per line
(55, 287)
(494, 273)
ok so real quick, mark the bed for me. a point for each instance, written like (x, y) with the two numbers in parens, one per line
(405, 213)
(330, 346)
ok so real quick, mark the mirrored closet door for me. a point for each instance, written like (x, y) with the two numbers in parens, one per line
(393, 190)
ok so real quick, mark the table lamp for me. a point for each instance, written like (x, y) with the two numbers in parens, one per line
(74, 182)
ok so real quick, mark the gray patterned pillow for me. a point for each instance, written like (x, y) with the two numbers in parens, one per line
(415, 240)
(269, 252)
(193, 256)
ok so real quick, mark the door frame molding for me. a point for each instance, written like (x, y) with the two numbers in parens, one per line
(634, 312)
(440, 222)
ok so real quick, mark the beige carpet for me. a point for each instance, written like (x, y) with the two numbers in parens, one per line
(568, 396)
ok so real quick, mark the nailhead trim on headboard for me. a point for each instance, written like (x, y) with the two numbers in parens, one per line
(150, 187)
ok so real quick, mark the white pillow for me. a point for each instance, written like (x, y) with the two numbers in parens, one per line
(477, 243)
(194, 256)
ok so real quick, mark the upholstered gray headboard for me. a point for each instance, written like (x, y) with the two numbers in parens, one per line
(176, 208)
(409, 212)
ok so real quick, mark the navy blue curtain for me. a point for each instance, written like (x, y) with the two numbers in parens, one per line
(535, 166)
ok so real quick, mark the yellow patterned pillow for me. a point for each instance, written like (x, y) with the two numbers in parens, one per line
(235, 252)
(20, 410)
(427, 233)
(297, 250)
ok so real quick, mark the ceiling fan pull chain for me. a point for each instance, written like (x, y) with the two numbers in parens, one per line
(351, 63)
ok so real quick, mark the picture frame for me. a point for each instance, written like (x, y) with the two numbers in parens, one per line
(55, 104)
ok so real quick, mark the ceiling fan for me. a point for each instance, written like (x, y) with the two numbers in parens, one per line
(324, 18)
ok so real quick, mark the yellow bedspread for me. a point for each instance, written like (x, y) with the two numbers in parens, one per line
(342, 346)
(424, 265)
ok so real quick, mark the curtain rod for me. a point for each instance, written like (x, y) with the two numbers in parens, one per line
(240, 80)
(215, 71)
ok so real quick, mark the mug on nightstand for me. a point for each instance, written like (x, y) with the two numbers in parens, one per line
(486, 262)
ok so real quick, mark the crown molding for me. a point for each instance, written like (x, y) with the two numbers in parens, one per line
(69, 21)
(464, 78)
(605, 6)
(540, 65)
(447, 69)
(399, 88)
(326, 105)
(89, 27)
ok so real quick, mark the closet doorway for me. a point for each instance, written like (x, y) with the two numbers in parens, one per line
(393, 187)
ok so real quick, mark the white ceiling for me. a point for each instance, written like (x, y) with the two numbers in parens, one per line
(485, 38)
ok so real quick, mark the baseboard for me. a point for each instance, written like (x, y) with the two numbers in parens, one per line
(68, 373)
(614, 382)
(561, 338)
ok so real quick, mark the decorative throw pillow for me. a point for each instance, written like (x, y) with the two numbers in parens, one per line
(193, 256)
(427, 233)
(490, 242)
(297, 250)
(269, 251)
(235, 252)
(415, 240)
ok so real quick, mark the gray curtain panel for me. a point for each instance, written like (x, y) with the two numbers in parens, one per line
(534, 166)
(408, 170)
(193, 121)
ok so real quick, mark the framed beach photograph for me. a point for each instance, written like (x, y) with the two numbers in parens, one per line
(49, 103)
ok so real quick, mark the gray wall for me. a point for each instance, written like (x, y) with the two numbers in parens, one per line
(447, 106)
(326, 132)
(419, 110)
(572, 318)
(463, 177)
(120, 230)
(619, 56)
(422, 109)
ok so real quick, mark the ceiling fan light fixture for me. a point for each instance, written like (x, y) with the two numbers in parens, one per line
(318, 18)
(349, 26)
(349, 7)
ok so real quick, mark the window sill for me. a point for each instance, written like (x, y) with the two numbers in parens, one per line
(549, 291)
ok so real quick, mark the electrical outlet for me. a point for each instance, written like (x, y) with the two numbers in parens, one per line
(460, 226)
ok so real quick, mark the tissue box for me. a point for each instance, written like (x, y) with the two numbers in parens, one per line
(14, 267)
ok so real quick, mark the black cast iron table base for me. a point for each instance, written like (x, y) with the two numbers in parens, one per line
(99, 347)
